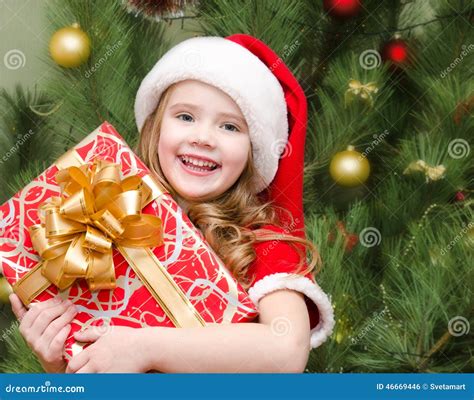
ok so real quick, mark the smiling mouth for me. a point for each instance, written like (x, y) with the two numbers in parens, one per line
(198, 165)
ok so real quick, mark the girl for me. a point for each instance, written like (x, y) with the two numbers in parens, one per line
(214, 115)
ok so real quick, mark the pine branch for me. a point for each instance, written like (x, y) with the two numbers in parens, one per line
(436, 347)
(27, 138)
(18, 358)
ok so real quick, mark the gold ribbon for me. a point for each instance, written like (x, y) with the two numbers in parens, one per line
(96, 211)
(364, 91)
(432, 173)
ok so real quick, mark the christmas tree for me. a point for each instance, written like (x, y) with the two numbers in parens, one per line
(388, 173)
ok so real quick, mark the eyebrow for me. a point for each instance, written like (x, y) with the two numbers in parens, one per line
(195, 107)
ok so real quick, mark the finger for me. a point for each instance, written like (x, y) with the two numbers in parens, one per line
(86, 369)
(58, 324)
(36, 309)
(77, 362)
(57, 343)
(90, 334)
(46, 316)
(17, 306)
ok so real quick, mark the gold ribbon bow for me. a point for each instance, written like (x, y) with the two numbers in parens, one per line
(363, 91)
(432, 173)
(96, 210)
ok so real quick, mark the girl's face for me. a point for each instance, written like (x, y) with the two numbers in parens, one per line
(204, 142)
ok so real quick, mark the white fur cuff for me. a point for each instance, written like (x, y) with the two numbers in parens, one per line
(302, 284)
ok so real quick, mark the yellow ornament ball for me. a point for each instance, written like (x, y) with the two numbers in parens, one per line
(70, 47)
(349, 168)
(5, 290)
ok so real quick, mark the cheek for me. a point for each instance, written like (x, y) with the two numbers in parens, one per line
(163, 147)
(166, 151)
(168, 143)
(237, 153)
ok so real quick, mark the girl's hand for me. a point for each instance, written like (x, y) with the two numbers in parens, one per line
(115, 349)
(45, 327)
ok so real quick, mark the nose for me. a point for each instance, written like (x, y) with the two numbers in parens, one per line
(202, 136)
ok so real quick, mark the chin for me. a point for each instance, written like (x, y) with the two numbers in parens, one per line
(195, 196)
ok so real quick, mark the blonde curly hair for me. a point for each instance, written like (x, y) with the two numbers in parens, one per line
(231, 223)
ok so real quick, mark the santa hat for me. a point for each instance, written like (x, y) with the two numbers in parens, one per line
(274, 106)
(286, 189)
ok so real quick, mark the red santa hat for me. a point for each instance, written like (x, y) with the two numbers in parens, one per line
(286, 188)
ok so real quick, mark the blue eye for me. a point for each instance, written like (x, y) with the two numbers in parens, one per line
(187, 118)
(235, 129)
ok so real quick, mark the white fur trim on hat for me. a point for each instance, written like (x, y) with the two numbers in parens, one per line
(237, 72)
(283, 280)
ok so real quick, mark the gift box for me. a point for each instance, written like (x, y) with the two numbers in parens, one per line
(98, 229)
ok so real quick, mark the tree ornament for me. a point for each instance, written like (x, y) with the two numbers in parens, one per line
(364, 92)
(463, 109)
(350, 239)
(5, 290)
(420, 227)
(459, 197)
(158, 10)
(432, 173)
(342, 9)
(70, 46)
(396, 53)
(349, 168)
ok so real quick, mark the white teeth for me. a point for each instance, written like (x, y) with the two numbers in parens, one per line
(199, 163)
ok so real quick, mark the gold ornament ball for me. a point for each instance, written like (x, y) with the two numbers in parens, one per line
(5, 290)
(70, 47)
(349, 168)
